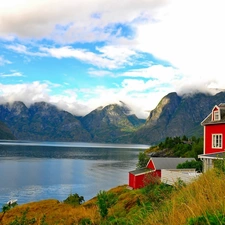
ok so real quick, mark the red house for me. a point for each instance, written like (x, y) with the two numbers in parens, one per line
(214, 137)
(139, 177)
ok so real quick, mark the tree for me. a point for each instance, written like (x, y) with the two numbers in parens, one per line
(142, 160)
(74, 199)
(191, 164)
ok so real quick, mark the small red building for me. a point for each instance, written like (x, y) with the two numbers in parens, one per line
(139, 177)
(214, 133)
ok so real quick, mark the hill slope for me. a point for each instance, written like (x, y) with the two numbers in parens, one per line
(42, 122)
(112, 123)
(5, 133)
(177, 116)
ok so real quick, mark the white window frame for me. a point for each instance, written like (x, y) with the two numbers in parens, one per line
(216, 115)
(217, 140)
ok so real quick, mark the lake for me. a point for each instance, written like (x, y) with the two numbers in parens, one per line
(32, 171)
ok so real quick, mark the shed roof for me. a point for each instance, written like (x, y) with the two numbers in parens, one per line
(208, 119)
(140, 171)
(168, 163)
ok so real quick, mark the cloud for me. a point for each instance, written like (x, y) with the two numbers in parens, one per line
(36, 92)
(4, 61)
(109, 57)
(70, 99)
(73, 21)
(100, 73)
(13, 74)
(189, 35)
(22, 49)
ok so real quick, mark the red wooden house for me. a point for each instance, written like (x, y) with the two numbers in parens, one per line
(139, 177)
(214, 137)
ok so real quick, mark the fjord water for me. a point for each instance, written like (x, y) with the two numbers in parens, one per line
(35, 171)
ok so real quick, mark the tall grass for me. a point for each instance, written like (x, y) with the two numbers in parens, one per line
(202, 197)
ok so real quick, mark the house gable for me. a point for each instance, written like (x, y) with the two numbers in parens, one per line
(150, 164)
(216, 116)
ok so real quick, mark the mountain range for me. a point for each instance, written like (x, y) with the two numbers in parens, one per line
(173, 116)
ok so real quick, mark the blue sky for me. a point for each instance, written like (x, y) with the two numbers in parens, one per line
(84, 54)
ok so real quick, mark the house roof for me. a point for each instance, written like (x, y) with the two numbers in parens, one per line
(219, 155)
(208, 119)
(168, 163)
(140, 171)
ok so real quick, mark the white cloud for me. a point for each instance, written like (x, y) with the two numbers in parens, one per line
(100, 73)
(139, 101)
(109, 57)
(4, 61)
(77, 20)
(22, 49)
(13, 74)
(190, 36)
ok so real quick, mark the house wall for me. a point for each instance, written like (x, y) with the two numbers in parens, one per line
(131, 180)
(150, 165)
(172, 176)
(140, 180)
(213, 129)
(136, 181)
(157, 173)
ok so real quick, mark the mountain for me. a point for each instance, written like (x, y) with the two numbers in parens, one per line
(45, 122)
(174, 116)
(177, 116)
(42, 122)
(5, 133)
(113, 123)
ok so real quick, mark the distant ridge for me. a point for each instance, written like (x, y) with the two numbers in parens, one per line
(174, 116)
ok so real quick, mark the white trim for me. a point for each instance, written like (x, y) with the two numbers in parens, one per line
(216, 115)
(215, 112)
(219, 139)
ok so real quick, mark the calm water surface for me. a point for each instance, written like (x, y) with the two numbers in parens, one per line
(34, 171)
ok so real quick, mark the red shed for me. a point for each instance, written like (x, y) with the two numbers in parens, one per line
(214, 133)
(139, 177)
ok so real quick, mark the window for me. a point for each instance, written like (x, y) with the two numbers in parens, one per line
(217, 140)
(216, 115)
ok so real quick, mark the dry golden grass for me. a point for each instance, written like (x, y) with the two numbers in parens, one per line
(55, 212)
(204, 195)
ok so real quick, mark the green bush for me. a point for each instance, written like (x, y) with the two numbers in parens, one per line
(210, 219)
(191, 164)
(74, 199)
(104, 201)
(85, 221)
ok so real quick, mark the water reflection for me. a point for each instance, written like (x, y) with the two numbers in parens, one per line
(40, 172)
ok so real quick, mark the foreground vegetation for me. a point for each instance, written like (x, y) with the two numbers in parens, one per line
(201, 202)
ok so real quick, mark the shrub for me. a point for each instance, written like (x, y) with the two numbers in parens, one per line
(142, 160)
(211, 219)
(191, 164)
(104, 201)
(74, 199)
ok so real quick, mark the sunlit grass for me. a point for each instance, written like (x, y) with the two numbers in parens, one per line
(205, 195)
